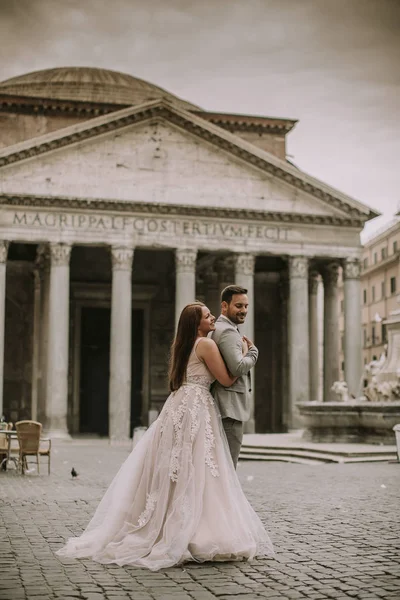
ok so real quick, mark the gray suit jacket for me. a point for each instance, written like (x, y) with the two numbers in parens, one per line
(233, 401)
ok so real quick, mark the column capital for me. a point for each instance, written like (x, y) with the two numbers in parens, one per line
(313, 281)
(60, 254)
(298, 267)
(3, 251)
(244, 264)
(330, 274)
(185, 260)
(351, 268)
(122, 258)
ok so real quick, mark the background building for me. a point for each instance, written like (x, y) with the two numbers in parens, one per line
(120, 203)
(380, 289)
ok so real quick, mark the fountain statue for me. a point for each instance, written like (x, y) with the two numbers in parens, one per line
(341, 389)
(372, 415)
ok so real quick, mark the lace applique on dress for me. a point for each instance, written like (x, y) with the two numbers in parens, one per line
(151, 502)
(177, 418)
(194, 413)
(197, 398)
(194, 398)
(186, 510)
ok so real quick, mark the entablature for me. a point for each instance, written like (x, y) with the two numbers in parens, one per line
(146, 225)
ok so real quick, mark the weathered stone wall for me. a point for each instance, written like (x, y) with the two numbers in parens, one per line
(273, 143)
(18, 341)
(16, 127)
(157, 162)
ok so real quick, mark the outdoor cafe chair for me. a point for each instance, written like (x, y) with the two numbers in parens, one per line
(28, 433)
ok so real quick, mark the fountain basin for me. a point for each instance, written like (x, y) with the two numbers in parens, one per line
(358, 421)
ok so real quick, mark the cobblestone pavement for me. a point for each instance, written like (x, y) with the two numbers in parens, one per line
(336, 530)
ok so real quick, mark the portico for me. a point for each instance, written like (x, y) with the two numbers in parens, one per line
(109, 227)
(195, 266)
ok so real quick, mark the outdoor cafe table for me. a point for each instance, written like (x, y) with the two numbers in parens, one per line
(11, 435)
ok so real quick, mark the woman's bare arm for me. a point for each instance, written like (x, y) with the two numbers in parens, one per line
(208, 351)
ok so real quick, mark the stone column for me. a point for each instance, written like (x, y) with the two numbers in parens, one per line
(244, 276)
(121, 344)
(3, 262)
(284, 347)
(36, 344)
(213, 300)
(398, 268)
(58, 334)
(185, 287)
(43, 261)
(320, 304)
(299, 374)
(313, 283)
(331, 329)
(352, 325)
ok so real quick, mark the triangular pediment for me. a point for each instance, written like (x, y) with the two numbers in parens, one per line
(162, 155)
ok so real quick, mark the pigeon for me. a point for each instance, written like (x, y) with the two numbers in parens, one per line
(74, 473)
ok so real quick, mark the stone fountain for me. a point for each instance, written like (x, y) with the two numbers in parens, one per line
(370, 418)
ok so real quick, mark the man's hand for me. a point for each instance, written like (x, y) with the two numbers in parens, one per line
(248, 343)
(230, 344)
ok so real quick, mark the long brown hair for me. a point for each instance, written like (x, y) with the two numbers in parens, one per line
(183, 343)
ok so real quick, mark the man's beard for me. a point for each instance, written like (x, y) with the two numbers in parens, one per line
(238, 320)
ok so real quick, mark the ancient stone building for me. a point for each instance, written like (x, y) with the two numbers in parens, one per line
(120, 203)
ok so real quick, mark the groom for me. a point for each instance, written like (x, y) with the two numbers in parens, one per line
(240, 356)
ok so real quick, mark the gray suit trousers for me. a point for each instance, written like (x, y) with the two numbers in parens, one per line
(234, 434)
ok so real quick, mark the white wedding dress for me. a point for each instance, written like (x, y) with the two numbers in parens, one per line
(177, 497)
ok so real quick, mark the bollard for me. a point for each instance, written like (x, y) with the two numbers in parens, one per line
(396, 430)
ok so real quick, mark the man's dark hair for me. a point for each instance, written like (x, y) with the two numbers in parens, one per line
(231, 290)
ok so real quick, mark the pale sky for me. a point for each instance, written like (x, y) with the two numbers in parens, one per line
(332, 64)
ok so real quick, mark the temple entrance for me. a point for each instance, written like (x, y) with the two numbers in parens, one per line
(95, 369)
(271, 340)
(137, 368)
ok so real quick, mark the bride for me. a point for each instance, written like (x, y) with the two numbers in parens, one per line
(177, 497)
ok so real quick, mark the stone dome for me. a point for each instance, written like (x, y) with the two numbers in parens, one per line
(88, 84)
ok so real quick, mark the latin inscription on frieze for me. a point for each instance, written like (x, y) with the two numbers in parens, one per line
(149, 225)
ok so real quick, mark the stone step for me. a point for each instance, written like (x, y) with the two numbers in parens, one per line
(324, 450)
(377, 458)
(280, 458)
(313, 461)
(313, 456)
(294, 456)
